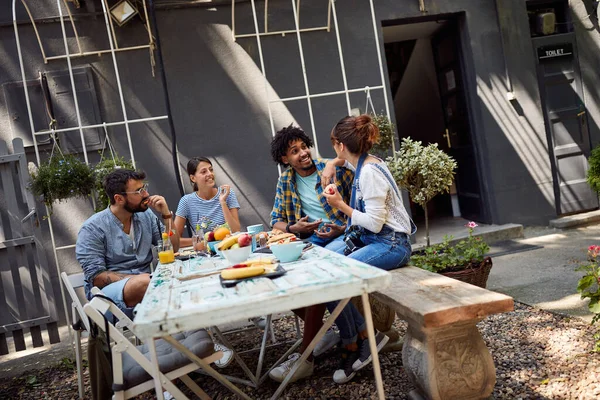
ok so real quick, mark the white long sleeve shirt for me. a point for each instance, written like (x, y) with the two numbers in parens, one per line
(382, 205)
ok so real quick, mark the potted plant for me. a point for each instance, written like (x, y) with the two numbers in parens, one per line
(424, 171)
(464, 260)
(103, 168)
(61, 178)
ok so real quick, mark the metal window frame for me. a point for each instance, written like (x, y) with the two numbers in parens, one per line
(332, 12)
(68, 56)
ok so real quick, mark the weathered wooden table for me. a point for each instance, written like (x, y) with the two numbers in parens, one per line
(173, 304)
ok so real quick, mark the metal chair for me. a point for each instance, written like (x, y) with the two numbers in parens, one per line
(132, 369)
(79, 321)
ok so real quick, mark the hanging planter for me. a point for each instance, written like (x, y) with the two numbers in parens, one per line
(61, 178)
(386, 134)
(103, 168)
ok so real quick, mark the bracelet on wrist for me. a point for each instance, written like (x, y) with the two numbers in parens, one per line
(287, 228)
(168, 216)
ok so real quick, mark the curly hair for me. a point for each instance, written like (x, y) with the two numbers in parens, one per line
(282, 140)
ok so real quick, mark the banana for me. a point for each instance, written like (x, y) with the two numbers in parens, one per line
(239, 273)
(255, 261)
(227, 242)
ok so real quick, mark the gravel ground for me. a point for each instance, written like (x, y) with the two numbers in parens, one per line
(538, 355)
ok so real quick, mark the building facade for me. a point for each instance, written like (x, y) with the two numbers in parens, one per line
(507, 87)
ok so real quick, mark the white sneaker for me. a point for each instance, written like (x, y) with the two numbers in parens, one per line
(168, 396)
(260, 322)
(329, 340)
(227, 356)
(306, 369)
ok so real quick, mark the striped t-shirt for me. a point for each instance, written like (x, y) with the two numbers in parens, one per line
(193, 208)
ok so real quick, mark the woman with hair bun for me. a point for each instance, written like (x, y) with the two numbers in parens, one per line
(377, 232)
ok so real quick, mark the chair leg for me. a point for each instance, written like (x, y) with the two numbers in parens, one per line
(189, 382)
(270, 326)
(78, 362)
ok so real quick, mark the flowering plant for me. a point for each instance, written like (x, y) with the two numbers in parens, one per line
(446, 257)
(589, 284)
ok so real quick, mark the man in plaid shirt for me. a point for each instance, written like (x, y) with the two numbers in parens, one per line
(300, 206)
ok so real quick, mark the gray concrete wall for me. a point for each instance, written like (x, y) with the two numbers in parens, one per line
(219, 105)
(523, 178)
(587, 31)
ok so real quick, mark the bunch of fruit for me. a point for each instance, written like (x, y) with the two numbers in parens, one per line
(235, 241)
(218, 234)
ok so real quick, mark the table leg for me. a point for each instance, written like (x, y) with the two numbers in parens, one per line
(155, 369)
(261, 355)
(205, 367)
(373, 346)
(237, 357)
(311, 346)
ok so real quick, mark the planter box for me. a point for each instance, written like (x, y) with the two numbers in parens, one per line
(474, 274)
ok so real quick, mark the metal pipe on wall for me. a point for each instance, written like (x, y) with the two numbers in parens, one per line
(163, 76)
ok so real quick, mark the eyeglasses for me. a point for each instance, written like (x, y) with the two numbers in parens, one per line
(139, 191)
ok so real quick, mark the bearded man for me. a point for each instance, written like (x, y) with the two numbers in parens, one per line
(114, 246)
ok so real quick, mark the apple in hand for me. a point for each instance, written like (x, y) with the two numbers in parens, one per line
(330, 189)
(244, 240)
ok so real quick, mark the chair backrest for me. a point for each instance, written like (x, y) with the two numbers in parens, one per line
(72, 282)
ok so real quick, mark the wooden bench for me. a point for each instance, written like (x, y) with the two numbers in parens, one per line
(443, 353)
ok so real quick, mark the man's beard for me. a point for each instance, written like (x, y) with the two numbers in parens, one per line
(138, 208)
(312, 165)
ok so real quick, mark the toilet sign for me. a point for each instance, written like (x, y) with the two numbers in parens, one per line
(555, 50)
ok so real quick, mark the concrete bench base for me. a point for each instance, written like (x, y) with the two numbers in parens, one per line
(444, 354)
(451, 362)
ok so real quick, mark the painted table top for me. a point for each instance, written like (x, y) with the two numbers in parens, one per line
(173, 304)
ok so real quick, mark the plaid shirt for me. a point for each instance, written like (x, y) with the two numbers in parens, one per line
(288, 208)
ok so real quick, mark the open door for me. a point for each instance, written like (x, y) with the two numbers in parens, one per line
(566, 121)
(457, 136)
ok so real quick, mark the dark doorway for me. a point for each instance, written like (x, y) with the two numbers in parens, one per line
(425, 67)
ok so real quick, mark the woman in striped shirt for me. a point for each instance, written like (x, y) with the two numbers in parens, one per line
(208, 202)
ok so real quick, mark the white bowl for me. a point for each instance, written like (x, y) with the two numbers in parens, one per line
(236, 256)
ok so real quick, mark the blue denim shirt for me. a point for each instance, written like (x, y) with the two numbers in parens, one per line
(102, 245)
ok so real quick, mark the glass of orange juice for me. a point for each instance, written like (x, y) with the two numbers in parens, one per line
(166, 254)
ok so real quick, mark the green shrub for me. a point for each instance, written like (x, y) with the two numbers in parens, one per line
(424, 171)
(387, 131)
(589, 287)
(593, 173)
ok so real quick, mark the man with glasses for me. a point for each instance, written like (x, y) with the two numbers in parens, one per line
(114, 246)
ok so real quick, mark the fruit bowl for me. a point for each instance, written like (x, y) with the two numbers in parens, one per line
(288, 252)
(237, 255)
